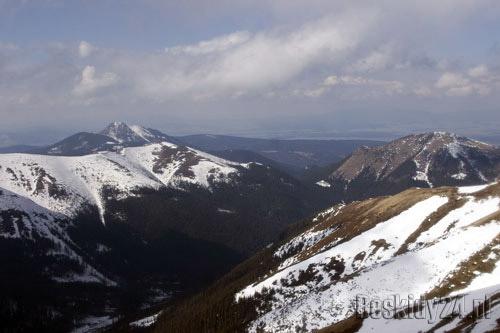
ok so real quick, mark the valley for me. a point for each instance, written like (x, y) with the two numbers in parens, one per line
(129, 220)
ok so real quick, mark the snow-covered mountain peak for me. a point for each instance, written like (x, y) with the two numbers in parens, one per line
(134, 135)
(122, 133)
(114, 137)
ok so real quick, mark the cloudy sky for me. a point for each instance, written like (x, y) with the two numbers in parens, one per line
(276, 68)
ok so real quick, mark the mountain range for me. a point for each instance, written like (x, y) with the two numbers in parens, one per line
(291, 156)
(115, 222)
(131, 206)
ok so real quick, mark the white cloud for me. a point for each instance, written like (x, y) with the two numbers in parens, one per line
(217, 44)
(331, 80)
(460, 91)
(250, 63)
(423, 91)
(452, 80)
(373, 50)
(89, 82)
(479, 89)
(372, 86)
(479, 82)
(313, 93)
(478, 71)
(377, 60)
(388, 86)
(85, 49)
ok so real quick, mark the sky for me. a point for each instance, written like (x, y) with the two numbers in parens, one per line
(267, 68)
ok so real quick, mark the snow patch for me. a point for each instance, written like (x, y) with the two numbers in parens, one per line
(225, 211)
(323, 183)
(145, 322)
(472, 189)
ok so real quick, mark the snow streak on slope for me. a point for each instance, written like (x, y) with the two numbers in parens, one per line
(472, 189)
(21, 218)
(414, 252)
(145, 322)
(306, 240)
(23, 226)
(471, 211)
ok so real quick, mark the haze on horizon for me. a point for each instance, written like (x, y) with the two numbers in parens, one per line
(256, 68)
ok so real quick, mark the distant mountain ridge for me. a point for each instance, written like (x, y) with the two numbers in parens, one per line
(292, 156)
(17, 149)
(79, 144)
(296, 153)
(419, 160)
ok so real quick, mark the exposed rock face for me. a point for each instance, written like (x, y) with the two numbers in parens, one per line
(422, 160)
(122, 133)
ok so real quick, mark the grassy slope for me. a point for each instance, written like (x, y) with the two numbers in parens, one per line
(214, 310)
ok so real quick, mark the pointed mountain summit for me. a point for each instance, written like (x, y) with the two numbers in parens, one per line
(122, 133)
(134, 135)
(112, 138)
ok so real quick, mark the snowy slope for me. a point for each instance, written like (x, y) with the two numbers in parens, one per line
(67, 184)
(41, 195)
(22, 219)
(421, 242)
